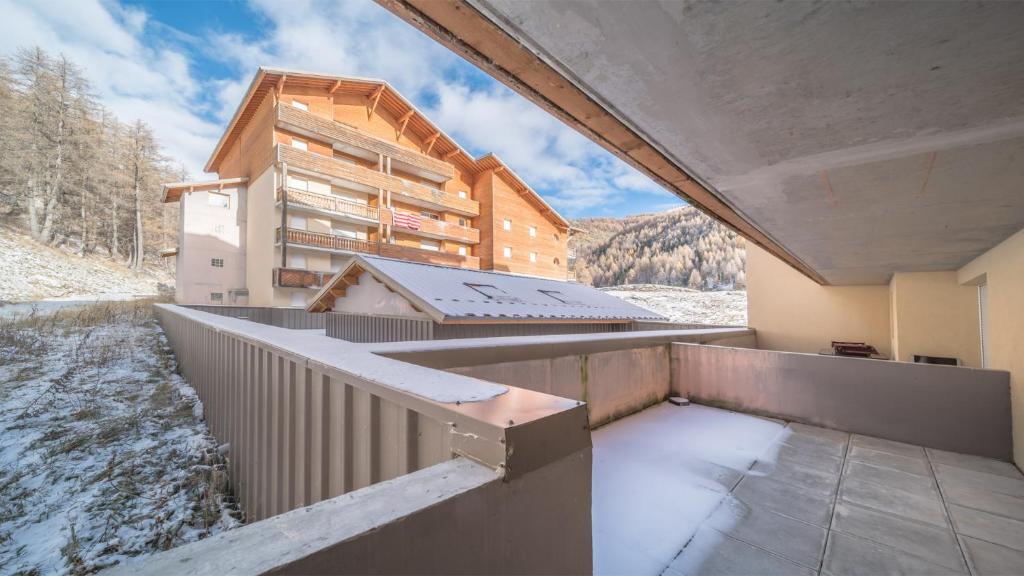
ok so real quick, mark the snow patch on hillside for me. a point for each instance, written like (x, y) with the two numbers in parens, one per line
(103, 452)
(720, 308)
(32, 271)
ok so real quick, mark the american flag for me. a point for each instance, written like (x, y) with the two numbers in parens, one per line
(406, 220)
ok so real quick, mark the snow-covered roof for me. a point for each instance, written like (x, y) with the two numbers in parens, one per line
(452, 295)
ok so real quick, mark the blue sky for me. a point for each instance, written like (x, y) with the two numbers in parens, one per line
(182, 67)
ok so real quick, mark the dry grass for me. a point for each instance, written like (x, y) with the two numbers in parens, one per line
(107, 449)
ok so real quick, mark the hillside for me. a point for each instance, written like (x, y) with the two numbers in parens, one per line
(679, 247)
(33, 271)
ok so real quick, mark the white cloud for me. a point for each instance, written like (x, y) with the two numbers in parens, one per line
(144, 70)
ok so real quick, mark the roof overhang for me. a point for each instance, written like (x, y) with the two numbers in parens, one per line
(851, 140)
(268, 81)
(172, 191)
(349, 276)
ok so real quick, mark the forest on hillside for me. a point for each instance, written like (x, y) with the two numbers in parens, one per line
(679, 247)
(71, 174)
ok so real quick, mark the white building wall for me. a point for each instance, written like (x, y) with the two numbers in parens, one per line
(209, 231)
(371, 297)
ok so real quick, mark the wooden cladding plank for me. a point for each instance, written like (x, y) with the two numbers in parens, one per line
(333, 168)
(336, 132)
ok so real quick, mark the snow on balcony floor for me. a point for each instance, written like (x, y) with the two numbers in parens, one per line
(697, 490)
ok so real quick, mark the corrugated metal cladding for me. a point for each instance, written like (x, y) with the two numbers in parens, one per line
(293, 318)
(360, 328)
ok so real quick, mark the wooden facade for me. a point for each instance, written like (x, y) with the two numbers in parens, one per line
(351, 160)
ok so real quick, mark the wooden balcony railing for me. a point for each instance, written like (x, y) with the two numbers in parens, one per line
(429, 256)
(344, 244)
(295, 278)
(438, 229)
(302, 121)
(327, 241)
(329, 203)
(405, 190)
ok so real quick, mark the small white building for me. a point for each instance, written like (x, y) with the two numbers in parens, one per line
(375, 299)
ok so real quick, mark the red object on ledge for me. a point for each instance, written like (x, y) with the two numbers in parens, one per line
(855, 349)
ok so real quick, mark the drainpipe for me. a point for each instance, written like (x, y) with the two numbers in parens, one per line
(284, 215)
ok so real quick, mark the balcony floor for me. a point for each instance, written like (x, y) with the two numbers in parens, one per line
(698, 490)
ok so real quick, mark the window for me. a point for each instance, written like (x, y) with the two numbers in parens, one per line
(462, 194)
(555, 294)
(345, 233)
(488, 290)
(297, 260)
(298, 299)
(217, 262)
(217, 297)
(533, 256)
(533, 231)
(430, 245)
(298, 182)
(300, 144)
(507, 225)
(218, 200)
(462, 251)
(297, 222)
(507, 252)
(462, 221)
(430, 215)
(218, 229)
(300, 105)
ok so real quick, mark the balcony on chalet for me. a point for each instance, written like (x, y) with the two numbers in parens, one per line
(437, 229)
(298, 278)
(345, 245)
(348, 175)
(326, 241)
(346, 139)
(329, 205)
(429, 256)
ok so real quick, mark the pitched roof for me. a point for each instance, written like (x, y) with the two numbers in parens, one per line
(458, 295)
(268, 79)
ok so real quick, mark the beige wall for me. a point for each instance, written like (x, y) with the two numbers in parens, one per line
(1001, 269)
(793, 313)
(934, 315)
(260, 250)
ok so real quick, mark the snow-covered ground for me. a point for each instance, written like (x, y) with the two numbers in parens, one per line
(724, 308)
(32, 271)
(103, 452)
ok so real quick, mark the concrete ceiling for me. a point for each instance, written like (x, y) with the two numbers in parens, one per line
(864, 138)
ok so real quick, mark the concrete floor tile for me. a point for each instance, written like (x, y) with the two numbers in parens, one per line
(791, 500)
(887, 460)
(882, 445)
(987, 526)
(988, 559)
(712, 553)
(848, 555)
(814, 447)
(834, 436)
(817, 481)
(975, 463)
(979, 499)
(953, 477)
(790, 455)
(937, 545)
(891, 478)
(914, 505)
(792, 539)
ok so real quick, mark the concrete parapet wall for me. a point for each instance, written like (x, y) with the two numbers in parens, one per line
(613, 384)
(951, 408)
